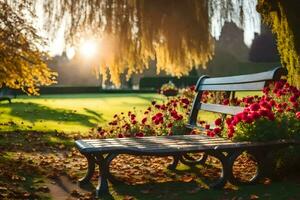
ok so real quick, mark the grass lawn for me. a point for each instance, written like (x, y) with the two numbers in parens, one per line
(33, 157)
(73, 112)
(68, 113)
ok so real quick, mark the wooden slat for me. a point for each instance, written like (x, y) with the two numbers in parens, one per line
(192, 147)
(149, 144)
(256, 77)
(159, 144)
(230, 110)
(234, 87)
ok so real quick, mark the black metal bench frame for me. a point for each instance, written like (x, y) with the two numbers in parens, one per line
(99, 152)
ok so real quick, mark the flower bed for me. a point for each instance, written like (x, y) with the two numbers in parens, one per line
(167, 118)
(274, 115)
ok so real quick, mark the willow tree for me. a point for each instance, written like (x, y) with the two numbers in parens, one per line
(177, 34)
(174, 33)
(22, 64)
(284, 19)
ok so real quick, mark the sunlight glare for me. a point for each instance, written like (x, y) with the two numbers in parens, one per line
(88, 48)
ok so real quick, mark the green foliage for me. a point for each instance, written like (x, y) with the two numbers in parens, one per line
(262, 130)
(283, 18)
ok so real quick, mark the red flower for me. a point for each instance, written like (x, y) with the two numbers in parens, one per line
(217, 130)
(254, 107)
(210, 133)
(293, 99)
(271, 116)
(279, 85)
(255, 115)
(207, 126)
(230, 132)
(144, 120)
(298, 115)
(132, 116)
(218, 122)
(295, 105)
(272, 102)
(265, 105)
(192, 88)
(266, 90)
(159, 114)
(226, 102)
(228, 121)
(170, 125)
(140, 134)
(264, 113)
(185, 101)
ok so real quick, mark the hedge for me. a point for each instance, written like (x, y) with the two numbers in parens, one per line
(156, 82)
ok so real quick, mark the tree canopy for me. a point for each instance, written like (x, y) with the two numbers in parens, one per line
(177, 34)
(22, 63)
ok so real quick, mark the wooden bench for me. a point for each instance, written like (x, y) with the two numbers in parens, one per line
(6, 95)
(103, 151)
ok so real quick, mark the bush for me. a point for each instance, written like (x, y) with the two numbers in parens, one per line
(157, 82)
(273, 116)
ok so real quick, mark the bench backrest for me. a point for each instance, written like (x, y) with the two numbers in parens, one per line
(230, 84)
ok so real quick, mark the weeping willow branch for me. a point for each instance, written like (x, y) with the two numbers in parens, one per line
(283, 17)
(177, 34)
(174, 33)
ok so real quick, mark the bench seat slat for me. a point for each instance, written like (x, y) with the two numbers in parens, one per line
(254, 86)
(230, 110)
(156, 144)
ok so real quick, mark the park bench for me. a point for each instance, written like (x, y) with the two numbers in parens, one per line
(6, 95)
(180, 147)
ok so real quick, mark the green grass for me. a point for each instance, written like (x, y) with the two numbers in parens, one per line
(68, 113)
(74, 112)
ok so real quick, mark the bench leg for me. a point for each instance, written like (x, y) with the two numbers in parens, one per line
(222, 180)
(175, 162)
(254, 179)
(104, 162)
(90, 170)
(191, 161)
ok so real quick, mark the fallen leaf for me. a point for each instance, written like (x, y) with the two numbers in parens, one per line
(187, 178)
(253, 196)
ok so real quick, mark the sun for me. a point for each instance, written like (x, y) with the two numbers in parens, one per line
(88, 49)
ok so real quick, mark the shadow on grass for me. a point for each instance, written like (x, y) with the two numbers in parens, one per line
(31, 141)
(192, 191)
(34, 112)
